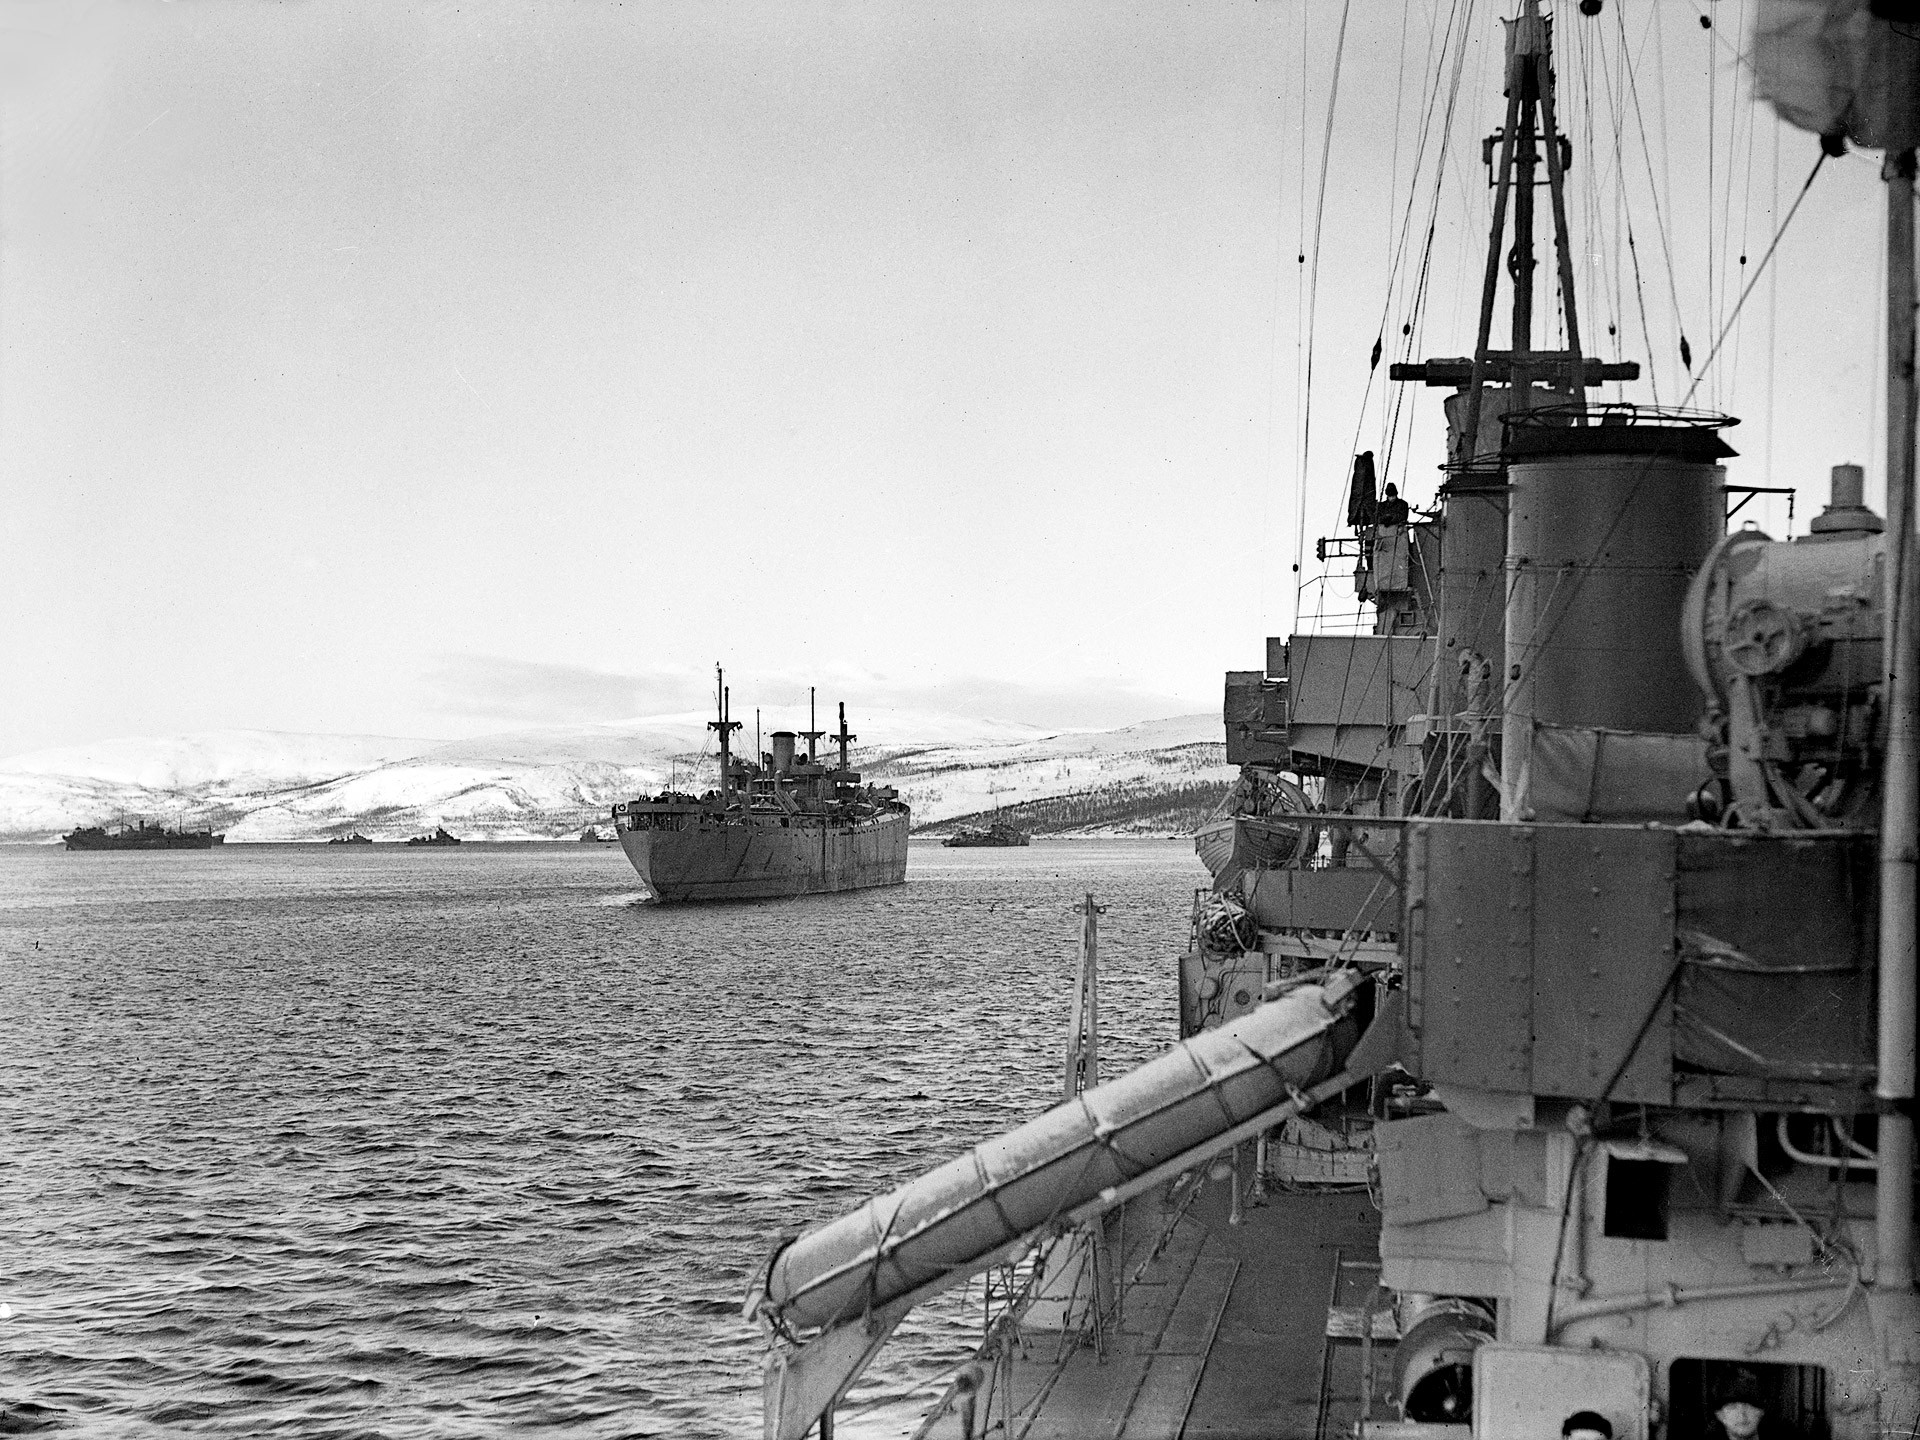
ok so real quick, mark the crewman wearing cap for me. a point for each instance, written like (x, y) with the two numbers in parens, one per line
(1740, 1414)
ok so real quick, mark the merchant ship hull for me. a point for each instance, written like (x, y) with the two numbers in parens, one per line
(145, 837)
(791, 824)
(769, 859)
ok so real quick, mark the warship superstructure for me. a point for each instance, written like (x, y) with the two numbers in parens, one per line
(998, 835)
(785, 825)
(1548, 1031)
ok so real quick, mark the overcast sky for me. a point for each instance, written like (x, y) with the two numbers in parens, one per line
(434, 369)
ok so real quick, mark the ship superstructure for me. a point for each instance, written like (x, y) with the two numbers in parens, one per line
(141, 835)
(788, 824)
(1548, 1032)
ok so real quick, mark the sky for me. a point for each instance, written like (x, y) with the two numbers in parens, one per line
(440, 369)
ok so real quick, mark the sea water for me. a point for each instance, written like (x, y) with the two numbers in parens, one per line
(346, 1141)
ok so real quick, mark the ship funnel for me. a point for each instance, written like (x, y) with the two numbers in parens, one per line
(782, 751)
(1606, 525)
(1847, 512)
(1849, 487)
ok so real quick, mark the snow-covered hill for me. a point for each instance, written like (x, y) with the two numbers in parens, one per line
(548, 783)
(1157, 757)
(236, 758)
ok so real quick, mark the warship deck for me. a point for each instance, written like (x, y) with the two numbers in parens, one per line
(1224, 1334)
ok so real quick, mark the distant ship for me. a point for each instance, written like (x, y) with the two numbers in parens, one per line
(142, 835)
(356, 838)
(785, 826)
(999, 833)
(441, 836)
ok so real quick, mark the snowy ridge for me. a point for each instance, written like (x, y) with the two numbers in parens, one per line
(1134, 764)
(549, 783)
(236, 758)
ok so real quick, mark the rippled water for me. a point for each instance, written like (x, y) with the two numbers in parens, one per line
(451, 1142)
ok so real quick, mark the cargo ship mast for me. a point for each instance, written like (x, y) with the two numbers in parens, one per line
(725, 725)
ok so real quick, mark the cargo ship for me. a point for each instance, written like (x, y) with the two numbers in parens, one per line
(1547, 1058)
(783, 825)
(142, 835)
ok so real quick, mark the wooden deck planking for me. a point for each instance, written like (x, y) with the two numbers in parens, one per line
(1255, 1300)
(1222, 1337)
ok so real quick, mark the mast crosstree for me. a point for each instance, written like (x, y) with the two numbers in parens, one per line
(1529, 137)
(725, 725)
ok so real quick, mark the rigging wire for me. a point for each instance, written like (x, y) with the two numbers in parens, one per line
(1616, 83)
(1393, 176)
(1612, 185)
(1458, 19)
(1313, 294)
(1713, 146)
(1772, 246)
(1408, 312)
(1603, 245)
(1400, 409)
(1573, 99)
(1746, 113)
(1398, 258)
(1661, 128)
(1397, 263)
(1615, 92)
(1273, 358)
(1299, 318)
(1773, 308)
(1403, 401)
(1660, 213)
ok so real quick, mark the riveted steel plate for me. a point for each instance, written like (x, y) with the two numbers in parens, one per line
(1359, 897)
(1469, 954)
(1603, 957)
(1522, 1392)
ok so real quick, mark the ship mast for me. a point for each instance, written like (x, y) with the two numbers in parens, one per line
(726, 727)
(813, 732)
(1530, 135)
(1467, 610)
(843, 737)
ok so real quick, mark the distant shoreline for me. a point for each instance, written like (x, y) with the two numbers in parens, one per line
(559, 841)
